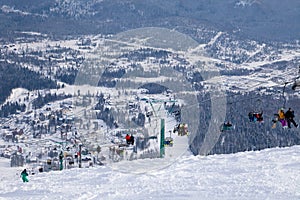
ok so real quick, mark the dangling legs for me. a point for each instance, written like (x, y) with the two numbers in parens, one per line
(289, 123)
(275, 120)
(294, 123)
(283, 123)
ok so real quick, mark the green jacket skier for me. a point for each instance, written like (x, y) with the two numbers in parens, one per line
(24, 175)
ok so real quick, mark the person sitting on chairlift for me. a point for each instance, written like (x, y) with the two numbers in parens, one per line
(127, 137)
(255, 116)
(251, 116)
(281, 117)
(131, 140)
(258, 116)
(289, 115)
(227, 124)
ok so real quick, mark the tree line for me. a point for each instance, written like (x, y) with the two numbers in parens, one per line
(14, 76)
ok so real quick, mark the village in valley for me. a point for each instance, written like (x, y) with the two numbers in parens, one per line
(76, 99)
(82, 126)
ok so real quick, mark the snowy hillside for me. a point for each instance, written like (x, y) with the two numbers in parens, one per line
(119, 66)
(268, 174)
(114, 99)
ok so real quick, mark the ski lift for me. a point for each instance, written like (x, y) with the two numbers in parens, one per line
(168, 142)
(226, 126)
(278, 118)
(256, 116)
(283, 96)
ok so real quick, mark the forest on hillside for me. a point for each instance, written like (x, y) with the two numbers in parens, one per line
(13, 76)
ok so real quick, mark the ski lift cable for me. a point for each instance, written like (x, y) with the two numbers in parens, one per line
(277, 84)
(283, 96)
(285, 83)
(203, 101)
(262, 83)
(166, 121)
(230, 103)
(236, 111)
(296, 81)
(226, 103)
(210, 99)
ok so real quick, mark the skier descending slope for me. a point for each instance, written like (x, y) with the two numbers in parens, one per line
(24, 175)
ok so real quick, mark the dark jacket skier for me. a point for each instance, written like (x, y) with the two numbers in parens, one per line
(132, 140)
(289, 115)
(24, 175)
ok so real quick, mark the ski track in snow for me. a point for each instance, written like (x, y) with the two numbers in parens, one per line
(267, 174)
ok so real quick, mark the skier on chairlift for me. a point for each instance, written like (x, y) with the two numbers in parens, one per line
(131, 140)
(127, 137)
(258, 116)
(289, 115)
(281, 118)
(251, 116)
(226, 126)
(255, 116)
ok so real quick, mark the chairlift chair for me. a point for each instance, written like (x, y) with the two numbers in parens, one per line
(168, 142)
(296, 85)
(276, 119)
(226, 126)
(257, 114)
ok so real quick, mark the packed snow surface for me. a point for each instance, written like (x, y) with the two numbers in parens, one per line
(268, 174)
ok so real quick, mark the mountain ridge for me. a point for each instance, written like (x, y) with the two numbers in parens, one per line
(260, 20)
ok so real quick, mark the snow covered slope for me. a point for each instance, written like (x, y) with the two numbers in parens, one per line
(267, 174)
